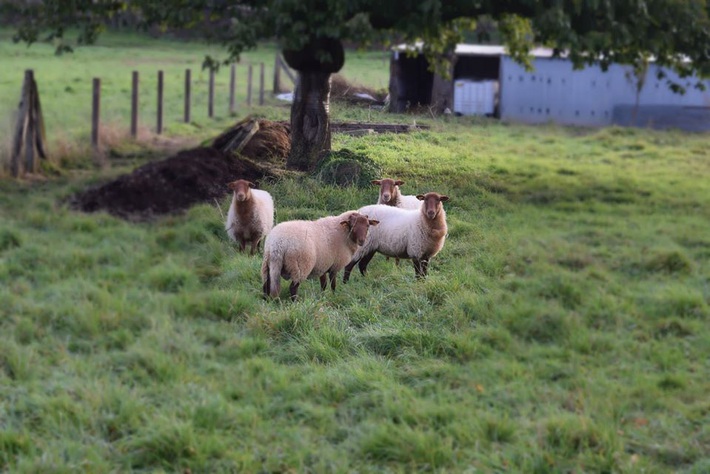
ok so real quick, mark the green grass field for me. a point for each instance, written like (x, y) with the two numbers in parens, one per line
(563, 328)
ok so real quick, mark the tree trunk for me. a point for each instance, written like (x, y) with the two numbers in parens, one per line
(310, 121)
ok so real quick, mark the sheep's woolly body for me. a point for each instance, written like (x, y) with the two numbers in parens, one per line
(297, 250)
(403, 233)
(251, 219)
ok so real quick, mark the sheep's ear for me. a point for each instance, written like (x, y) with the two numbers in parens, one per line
(376, 181)
(232, 185)
(443, 198)
(399, 182)
(420, 197)
(251, 185)
(373, 222)
(345, 224)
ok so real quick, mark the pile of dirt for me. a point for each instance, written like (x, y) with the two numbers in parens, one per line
(251, 149)
(259, 140)
(168, 186)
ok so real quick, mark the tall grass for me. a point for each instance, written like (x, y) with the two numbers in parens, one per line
(562, 328)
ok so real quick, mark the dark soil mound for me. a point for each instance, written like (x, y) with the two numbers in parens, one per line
(265, 140)
(168, 186)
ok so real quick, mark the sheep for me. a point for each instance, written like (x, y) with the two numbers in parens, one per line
(298, 250)
(390, 195)
(251, 215)
(404, 233)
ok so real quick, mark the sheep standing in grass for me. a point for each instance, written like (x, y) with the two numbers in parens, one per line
(404, 233)
(251, 215)
(390, 195)
(297, 250)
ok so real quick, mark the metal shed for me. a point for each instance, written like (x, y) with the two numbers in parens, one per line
(552, 92)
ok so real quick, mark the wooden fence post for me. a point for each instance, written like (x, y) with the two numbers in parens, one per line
(188, 73)
(232, 86)
(283, 66)
(134, 105)
(30, 127)
(249, 77)
(160, 102)
(277, 75)
(20, 127)
(210, 99)
(95, 112)
(261, 84)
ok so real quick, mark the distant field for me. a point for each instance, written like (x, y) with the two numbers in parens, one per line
(65, 82)
(565, 326)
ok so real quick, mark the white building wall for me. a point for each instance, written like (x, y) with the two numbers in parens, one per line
(554, 91)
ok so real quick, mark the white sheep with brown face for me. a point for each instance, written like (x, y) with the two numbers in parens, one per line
(404, 233)
(251, 215)
(391, 196)
(297, 250)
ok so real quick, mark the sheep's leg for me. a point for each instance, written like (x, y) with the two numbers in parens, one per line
(254, 246)
(348, 269)
(396, 261)
(425, 267)
(418, 267)
(323, 283)
(364, 262)
(242, 245)
(293, 289)
(332, 274)
(267, 284)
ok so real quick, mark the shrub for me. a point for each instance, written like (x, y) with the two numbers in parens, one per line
(346, 168)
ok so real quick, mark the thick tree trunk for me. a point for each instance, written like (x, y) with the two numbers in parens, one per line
(310, 121)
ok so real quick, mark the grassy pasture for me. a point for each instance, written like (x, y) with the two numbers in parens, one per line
(563, 328)
(65, 84)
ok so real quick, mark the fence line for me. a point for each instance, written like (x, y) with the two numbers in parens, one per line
(29, 136)
(249, 77)
(232, 86)
(159, 127)
(188, 73)
(134, 105)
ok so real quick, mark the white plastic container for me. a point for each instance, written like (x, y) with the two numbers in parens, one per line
(475, 97)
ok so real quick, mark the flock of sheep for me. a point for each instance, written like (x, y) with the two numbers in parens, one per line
(398, 226)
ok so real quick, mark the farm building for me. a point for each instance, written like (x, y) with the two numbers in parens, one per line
(486, 81)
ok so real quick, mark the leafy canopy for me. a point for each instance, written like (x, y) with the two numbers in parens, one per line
(675, 33)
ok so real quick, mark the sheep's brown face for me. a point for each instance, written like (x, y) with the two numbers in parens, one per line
(387, 188)
(432, 203)
(241, 189)
(357, 226)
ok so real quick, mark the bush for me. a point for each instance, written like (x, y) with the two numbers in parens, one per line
(347, 168)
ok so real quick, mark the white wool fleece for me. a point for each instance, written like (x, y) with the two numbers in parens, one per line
(402, 233)
(258, 222)
(403, 201)
(298, 250)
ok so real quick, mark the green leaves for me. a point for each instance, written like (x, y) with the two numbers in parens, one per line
(676, 34)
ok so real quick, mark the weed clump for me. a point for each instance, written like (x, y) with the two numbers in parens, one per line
(347, 168)
(672, 262)
(9, 240)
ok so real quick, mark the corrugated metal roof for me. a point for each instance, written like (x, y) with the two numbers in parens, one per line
(496, 50)
(463, 49)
